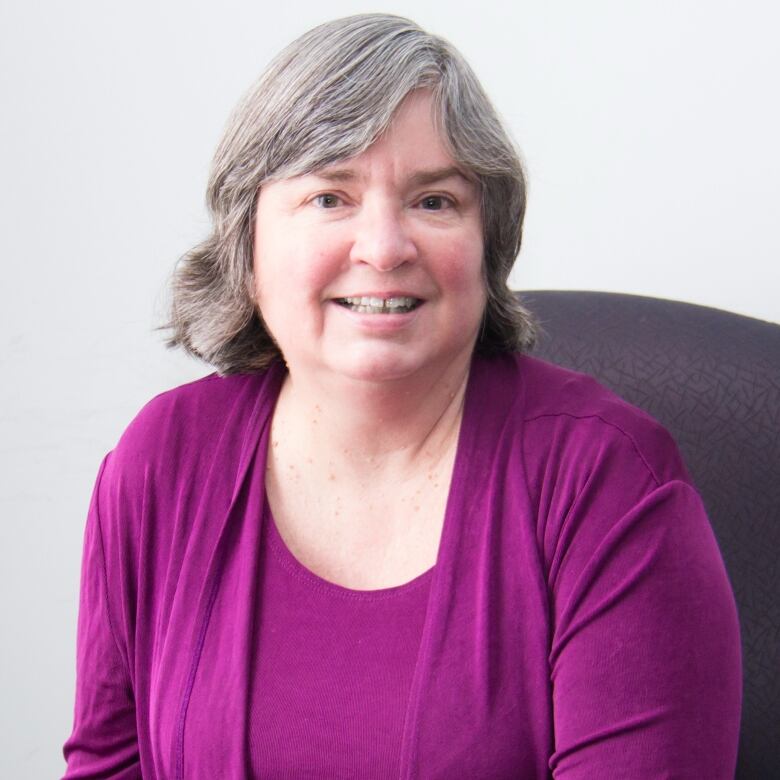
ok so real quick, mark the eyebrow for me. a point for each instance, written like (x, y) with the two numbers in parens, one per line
(423, 178)
(419, 179)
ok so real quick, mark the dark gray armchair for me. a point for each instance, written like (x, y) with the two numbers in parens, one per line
(713, 379)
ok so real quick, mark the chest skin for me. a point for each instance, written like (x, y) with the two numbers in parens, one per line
(359, 535)
(361, 504)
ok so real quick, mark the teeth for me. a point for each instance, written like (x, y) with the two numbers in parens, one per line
(371, 305)
(399, 302)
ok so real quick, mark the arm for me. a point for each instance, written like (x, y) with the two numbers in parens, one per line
(103, 743)
(645, 658)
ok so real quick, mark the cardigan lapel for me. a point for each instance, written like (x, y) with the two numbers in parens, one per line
(241, 486)
(468, 677)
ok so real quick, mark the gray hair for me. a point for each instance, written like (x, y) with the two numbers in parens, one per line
(326, 97)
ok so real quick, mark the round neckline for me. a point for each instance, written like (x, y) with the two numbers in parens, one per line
(285, 556)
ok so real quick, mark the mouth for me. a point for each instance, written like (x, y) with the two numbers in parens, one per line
(365, 304)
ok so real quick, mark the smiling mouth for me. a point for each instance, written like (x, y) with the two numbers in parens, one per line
(371, 305)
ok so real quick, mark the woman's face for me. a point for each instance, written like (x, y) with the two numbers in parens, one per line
(371, 268)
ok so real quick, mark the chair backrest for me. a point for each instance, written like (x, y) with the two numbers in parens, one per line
(712, 378)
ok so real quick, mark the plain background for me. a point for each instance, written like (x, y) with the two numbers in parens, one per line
(650, 132)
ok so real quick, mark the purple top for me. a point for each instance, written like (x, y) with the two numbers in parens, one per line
(354, 658)
(579, 621)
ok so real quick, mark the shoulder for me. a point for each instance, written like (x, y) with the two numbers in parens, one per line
(177, 433)
(186, 411)
(570, 422)
(587, 466)
(176, 466)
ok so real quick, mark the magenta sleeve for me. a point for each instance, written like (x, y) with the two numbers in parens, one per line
(103, 743)
(645, 657)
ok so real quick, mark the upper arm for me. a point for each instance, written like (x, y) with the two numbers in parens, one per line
(645, 658)
(104, 741)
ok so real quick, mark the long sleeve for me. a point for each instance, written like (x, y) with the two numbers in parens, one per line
(103, 743)
(645, 657)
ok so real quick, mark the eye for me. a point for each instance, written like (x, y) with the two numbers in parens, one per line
(327, 200)
(435, 203)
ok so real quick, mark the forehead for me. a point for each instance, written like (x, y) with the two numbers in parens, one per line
(412, 146)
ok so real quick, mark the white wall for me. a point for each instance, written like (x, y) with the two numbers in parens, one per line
(650, 133)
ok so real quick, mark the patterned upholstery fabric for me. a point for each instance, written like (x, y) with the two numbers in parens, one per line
(713, 379)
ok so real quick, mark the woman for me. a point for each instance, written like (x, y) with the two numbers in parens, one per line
(382, 542)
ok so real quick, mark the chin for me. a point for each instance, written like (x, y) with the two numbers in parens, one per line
(392, 364)
(378, 371)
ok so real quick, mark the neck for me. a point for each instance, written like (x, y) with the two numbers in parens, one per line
(369, 426)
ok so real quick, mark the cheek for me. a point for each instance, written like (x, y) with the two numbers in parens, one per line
(299, 270)
(314, 269)
(460, 267)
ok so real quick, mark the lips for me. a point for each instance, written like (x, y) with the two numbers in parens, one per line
(370, 304)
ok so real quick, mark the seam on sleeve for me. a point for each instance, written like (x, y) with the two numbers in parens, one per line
(611, 424)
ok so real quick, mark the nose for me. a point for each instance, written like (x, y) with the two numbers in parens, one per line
(382, 238)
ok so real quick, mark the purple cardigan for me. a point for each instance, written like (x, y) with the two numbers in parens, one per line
(580, 621)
